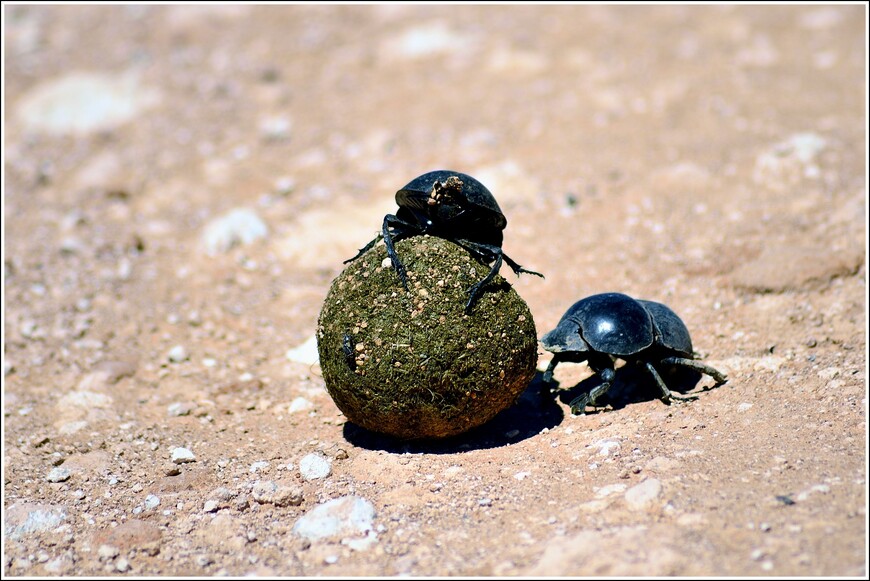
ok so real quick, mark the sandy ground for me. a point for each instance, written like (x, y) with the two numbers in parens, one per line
(162, 414)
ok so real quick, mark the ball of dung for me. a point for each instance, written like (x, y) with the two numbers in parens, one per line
(411, 363)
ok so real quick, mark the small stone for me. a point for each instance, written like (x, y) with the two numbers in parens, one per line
(83, 102)
(223, 494)
(171, 470)
(134, 534)
(24, 519)
(122, 565)
(107, 552)
(62, 565)
(268, 492)
(642, 495)
(299, 404)
(275, 128)
(305, 353)
(210, 506)
(58, 475)
(203, 560)
(606, 491)
(177, 354)
(337, 518)
(484, 502)
(259, 466)
(152, 502)
(180, 409)
(238, 226)
(314, 467)
(607, 447)
(241, 503)
(182, 456)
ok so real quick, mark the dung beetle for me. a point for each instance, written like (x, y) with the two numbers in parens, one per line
(453, 206)
(604, 327)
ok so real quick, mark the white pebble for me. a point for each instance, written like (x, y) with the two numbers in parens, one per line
(306, 353)
(182, 456)
(80, 102)
(152, 502)
(314, 467)
(179, 409)
(106, 552)
(299, 404)
(259, 466)
(340, 517)
(239, 226)
(177, 354)
(210, 506)
(642, 495)
(58, 475)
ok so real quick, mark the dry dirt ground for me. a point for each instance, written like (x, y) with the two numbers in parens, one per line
(162, 414)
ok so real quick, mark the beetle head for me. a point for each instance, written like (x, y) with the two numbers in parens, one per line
(565, 338)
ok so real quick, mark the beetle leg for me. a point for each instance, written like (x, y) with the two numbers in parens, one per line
(697, 366)
(548, 374)
(517, 268)
(607, 375)
(402, 230)
(475, 290)
(364, 249)
(486, 253)
(667, 394)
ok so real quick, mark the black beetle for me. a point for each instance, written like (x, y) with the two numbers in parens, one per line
(453, 206)
(603, 327)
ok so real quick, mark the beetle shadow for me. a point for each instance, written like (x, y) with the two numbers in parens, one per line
(633, 384)
(534, 410)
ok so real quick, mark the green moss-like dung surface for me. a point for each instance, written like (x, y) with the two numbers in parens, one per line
(412, 364)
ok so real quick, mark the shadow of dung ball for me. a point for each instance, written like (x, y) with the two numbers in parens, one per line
(412, 364)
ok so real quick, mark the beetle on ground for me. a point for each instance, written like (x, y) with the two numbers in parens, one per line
(601, 328)
(453, 206)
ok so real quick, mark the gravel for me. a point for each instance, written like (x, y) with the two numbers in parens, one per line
(315, 467)
(182, 456)
(58, 475)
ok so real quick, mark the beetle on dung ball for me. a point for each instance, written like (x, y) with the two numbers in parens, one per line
(453, 206)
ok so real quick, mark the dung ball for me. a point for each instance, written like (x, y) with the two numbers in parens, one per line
(411, 363)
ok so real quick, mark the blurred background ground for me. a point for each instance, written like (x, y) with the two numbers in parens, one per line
(182, 184)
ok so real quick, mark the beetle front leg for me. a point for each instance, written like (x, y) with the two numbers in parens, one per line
(607, 375)
(517, 268)
(548, 374)
(364, 249)
(477, 289)
(403, 230)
